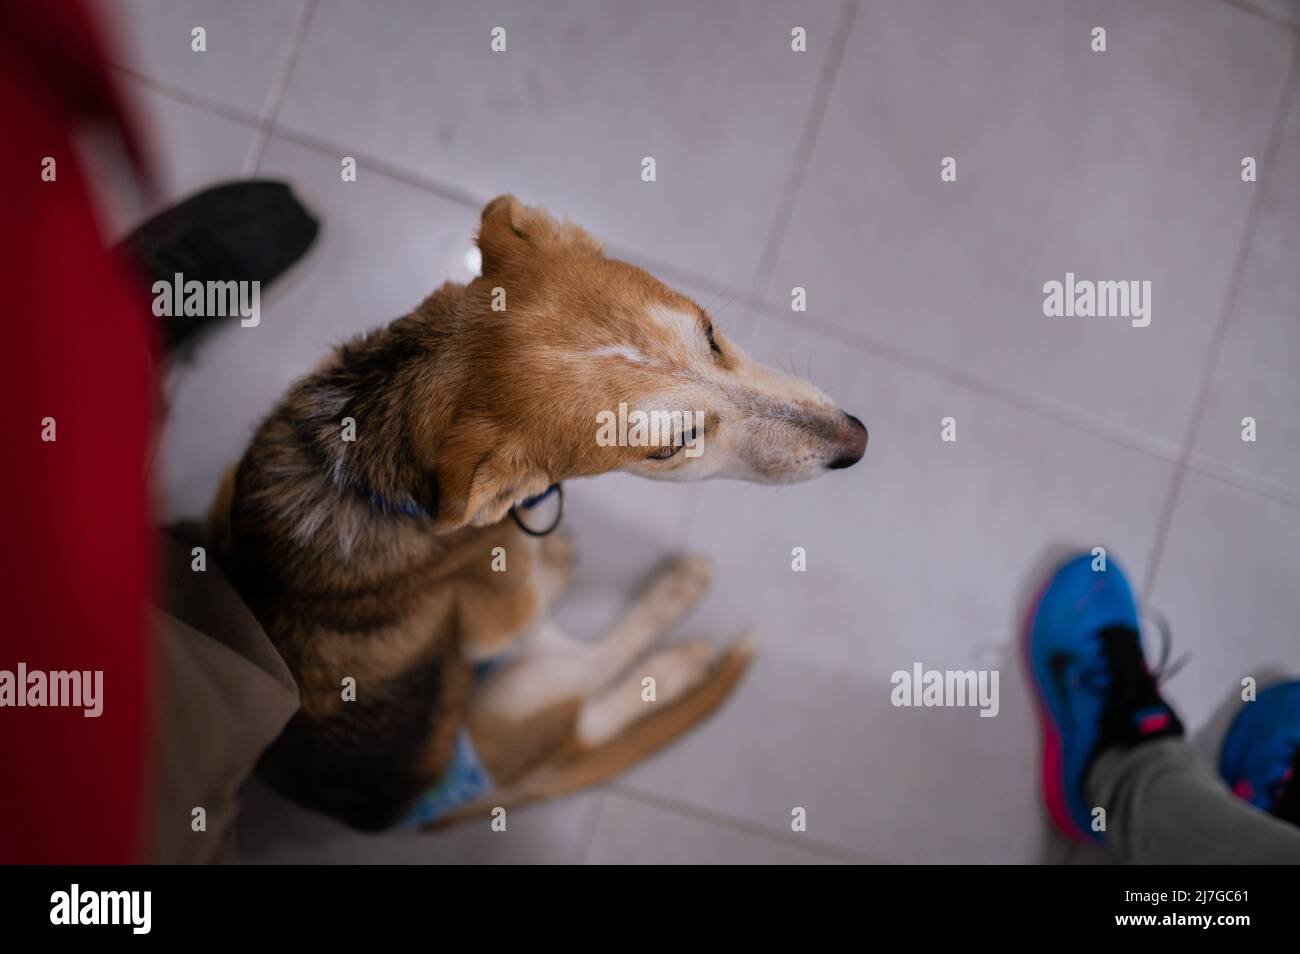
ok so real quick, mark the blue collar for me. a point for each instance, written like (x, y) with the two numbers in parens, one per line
(408, 507)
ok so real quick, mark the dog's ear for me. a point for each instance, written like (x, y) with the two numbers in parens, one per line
(498, 484)
(509, 228)
(479, 477)
(506, 229)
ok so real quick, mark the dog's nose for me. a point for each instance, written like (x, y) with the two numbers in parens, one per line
(852, 438)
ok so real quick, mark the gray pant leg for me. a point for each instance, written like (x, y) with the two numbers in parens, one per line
(1165, 805)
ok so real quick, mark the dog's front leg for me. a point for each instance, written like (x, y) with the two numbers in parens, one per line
(526, 578)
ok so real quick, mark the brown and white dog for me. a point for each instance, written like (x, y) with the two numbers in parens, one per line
(371, 554)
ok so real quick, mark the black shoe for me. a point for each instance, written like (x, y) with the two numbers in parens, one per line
(247, 231)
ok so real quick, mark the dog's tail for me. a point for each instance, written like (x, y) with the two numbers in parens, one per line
(581, 767)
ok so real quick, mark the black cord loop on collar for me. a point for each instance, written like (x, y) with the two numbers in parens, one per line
(532, 502)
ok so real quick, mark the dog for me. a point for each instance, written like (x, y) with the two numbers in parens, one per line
(371, 526)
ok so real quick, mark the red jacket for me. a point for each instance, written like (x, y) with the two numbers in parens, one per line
(77, 568)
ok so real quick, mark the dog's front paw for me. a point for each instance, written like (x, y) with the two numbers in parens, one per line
(681, 582)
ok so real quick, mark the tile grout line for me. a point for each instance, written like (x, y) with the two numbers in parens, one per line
(173, 374)
(686, 520)
(932, 368)
(721, 820)
(1135, 441)
(279, 86)
(587, 828)
(784, 214)
(1210, 366)
(1243, 481)
(940, 371)
(462, 197)
(1264, 15)
(186, 98)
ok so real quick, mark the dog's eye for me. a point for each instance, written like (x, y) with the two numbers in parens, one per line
(668, 450)
(663, 453)
(713, 344)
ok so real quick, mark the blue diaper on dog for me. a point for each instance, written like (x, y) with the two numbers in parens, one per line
(465, 780)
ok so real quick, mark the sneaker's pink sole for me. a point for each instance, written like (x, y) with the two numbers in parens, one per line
(1053, 774)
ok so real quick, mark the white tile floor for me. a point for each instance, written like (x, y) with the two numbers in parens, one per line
(820, 170)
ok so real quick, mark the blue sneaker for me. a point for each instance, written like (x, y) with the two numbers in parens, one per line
(1094, 686)
(1261, 752)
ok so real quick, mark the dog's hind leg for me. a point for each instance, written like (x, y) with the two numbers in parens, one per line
(619, 727)
(658, 679)
(673, 591)
(556, 666)
(529, 709)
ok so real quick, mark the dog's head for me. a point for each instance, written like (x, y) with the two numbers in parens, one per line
(585, 364)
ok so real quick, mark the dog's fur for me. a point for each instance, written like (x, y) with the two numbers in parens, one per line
(372, 558)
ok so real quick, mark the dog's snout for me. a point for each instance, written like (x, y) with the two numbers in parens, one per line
(852, 440)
